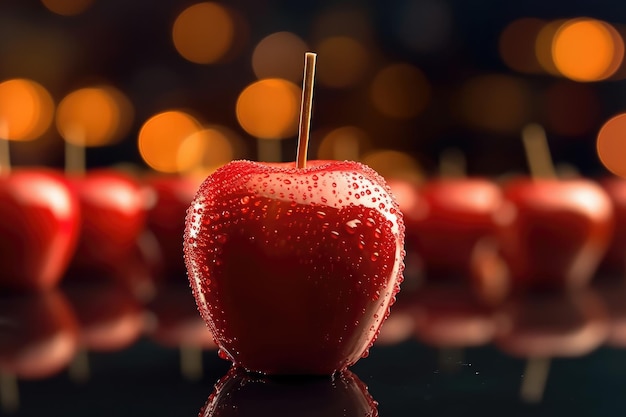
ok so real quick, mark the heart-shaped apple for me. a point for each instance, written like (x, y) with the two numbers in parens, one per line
(241, 394)
(554, 233)
(294, 269)
(39, 226)
(113, 207)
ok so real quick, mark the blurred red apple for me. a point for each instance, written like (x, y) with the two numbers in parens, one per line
(614, 263)
(39, 226)
(113, 207)
(554, 233)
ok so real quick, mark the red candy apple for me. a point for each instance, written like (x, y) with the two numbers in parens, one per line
(450, 218)
(553, 233)
(113, 207)
(615, 260)
(294, 269)
(39, 226)
(166, 219)
(242, 394)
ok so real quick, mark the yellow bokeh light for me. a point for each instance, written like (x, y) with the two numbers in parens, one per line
(495, 102)
(400, 91)
(611, 145)
(203, 32)
(94, 116)
(269, 108)
(279, 55)
(26, 109)
(587, 50)
(343, 62)
(67, 7)
(343, 143)
(517, 45)
(160, 139)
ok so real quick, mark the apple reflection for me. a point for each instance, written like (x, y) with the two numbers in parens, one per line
(242, 394)
(38, 334)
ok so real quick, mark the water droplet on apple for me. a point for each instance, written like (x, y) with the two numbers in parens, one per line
(321, 214)
(222, 354)
(334, 184)
(352, 225)
(287, 182)
(370, 222)
(334, 234)
(374, 256)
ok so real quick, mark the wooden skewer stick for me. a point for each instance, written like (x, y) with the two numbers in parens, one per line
(541, 166)
(75, 159)
(535, 379)
(191, 362)
(452, 163)
(306, 107)
(9, 393)
(5, 155)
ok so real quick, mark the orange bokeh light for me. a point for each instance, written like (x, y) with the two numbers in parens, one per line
(400, 91)
(343, 62)
(269, 108)
(67, 7)
(279, 55)
(161, 137)
(203, 33)
(587, 49)
(495, 102)
(393, 164)
(517, 45)
(343, 143)
(26, 109)
(94, 116)
(205, 150)
(544, 43)
(611, 145)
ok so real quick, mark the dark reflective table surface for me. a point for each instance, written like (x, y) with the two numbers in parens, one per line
(92, 348)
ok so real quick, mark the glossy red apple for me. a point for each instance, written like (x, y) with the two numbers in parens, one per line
(113, 206)
(39, 334)
(39, 226)
(554, 233)
(294, 269)
(166, 219)
(243, 394)
(614, 262)
(450, 218)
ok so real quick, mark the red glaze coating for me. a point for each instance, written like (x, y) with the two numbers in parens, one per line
(39, 226)
(554, 233)
(294, 270)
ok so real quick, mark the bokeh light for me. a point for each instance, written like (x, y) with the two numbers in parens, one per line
(205, 150)
(343, 143)
(279, 55)
(343, 62)
(269, 108)
(161, 137)
(611, 145)
(26, 109)
(393, 164)
(495, 102)
(67, 7)
(203, 32)
(517, 45)
(400, 91)
(544, 43)
(587, 49)
(94, 116)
